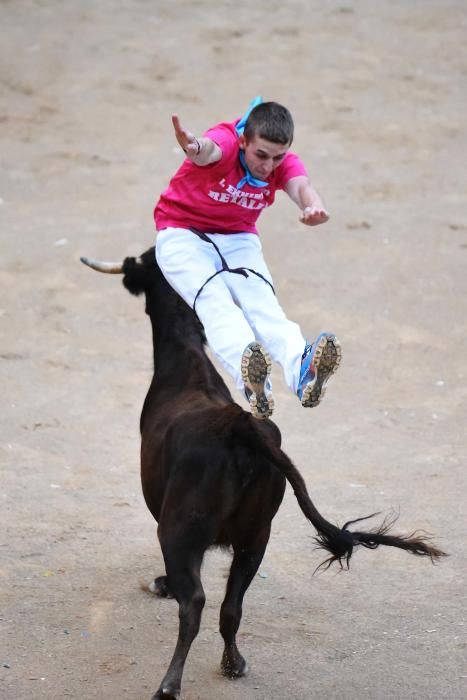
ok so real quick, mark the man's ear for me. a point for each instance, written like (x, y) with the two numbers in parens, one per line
(242, 141)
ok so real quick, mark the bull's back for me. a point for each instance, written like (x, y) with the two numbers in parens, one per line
(200, 462)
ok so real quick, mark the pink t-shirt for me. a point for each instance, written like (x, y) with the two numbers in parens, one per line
(207, 198)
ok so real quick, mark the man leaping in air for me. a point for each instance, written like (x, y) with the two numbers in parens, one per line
(208, 249)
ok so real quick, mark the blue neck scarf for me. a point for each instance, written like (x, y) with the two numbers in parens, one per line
(248, 178)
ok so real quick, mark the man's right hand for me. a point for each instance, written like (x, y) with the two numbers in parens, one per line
(188, 141)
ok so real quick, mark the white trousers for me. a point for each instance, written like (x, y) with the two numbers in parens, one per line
(234, 310)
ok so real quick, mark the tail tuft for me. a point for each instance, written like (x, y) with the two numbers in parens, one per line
(341, 543)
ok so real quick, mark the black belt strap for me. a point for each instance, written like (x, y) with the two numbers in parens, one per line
(225, 268)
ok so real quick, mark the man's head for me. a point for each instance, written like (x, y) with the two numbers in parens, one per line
(267, 137)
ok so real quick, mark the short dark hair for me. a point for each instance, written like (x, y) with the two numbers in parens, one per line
(270, 121)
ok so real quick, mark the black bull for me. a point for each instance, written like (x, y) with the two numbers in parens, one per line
(213, 475)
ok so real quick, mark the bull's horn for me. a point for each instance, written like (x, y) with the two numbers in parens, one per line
(112, 268)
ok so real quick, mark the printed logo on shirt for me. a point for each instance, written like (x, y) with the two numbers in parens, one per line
(248, 200)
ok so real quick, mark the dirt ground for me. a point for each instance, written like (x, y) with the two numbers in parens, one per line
(378, 92)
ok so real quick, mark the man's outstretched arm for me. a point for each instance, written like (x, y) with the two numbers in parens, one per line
(200, 150)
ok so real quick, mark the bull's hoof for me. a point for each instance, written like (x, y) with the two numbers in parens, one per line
(233, 665)
(160, 588)
(166, 693)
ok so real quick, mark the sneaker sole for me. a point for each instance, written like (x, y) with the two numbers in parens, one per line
(326, 360)
(256, 368)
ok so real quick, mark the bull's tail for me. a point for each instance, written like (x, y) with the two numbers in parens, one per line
(417, 542)
(340, 542)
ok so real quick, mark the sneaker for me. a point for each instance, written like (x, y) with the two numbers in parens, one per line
(256, 368)
(319, 361)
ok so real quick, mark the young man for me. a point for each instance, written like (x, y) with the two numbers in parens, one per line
(208, 249)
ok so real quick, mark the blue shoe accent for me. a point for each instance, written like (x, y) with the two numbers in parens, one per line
(319, 361)
(256, 368)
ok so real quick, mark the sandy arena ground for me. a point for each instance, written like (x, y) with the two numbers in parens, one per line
(378, 92)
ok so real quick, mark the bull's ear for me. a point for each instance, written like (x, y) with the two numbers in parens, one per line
(136, 276)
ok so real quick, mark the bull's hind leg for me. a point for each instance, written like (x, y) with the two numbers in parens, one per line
(183, 564)
(245, 564)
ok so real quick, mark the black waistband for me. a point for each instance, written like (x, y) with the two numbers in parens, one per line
(225, 268)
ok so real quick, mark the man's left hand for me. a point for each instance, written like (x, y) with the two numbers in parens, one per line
(313, 216)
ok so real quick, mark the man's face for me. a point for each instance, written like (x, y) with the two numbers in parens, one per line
(262, 156)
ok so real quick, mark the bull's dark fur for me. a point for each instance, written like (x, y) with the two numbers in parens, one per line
(213, 474)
